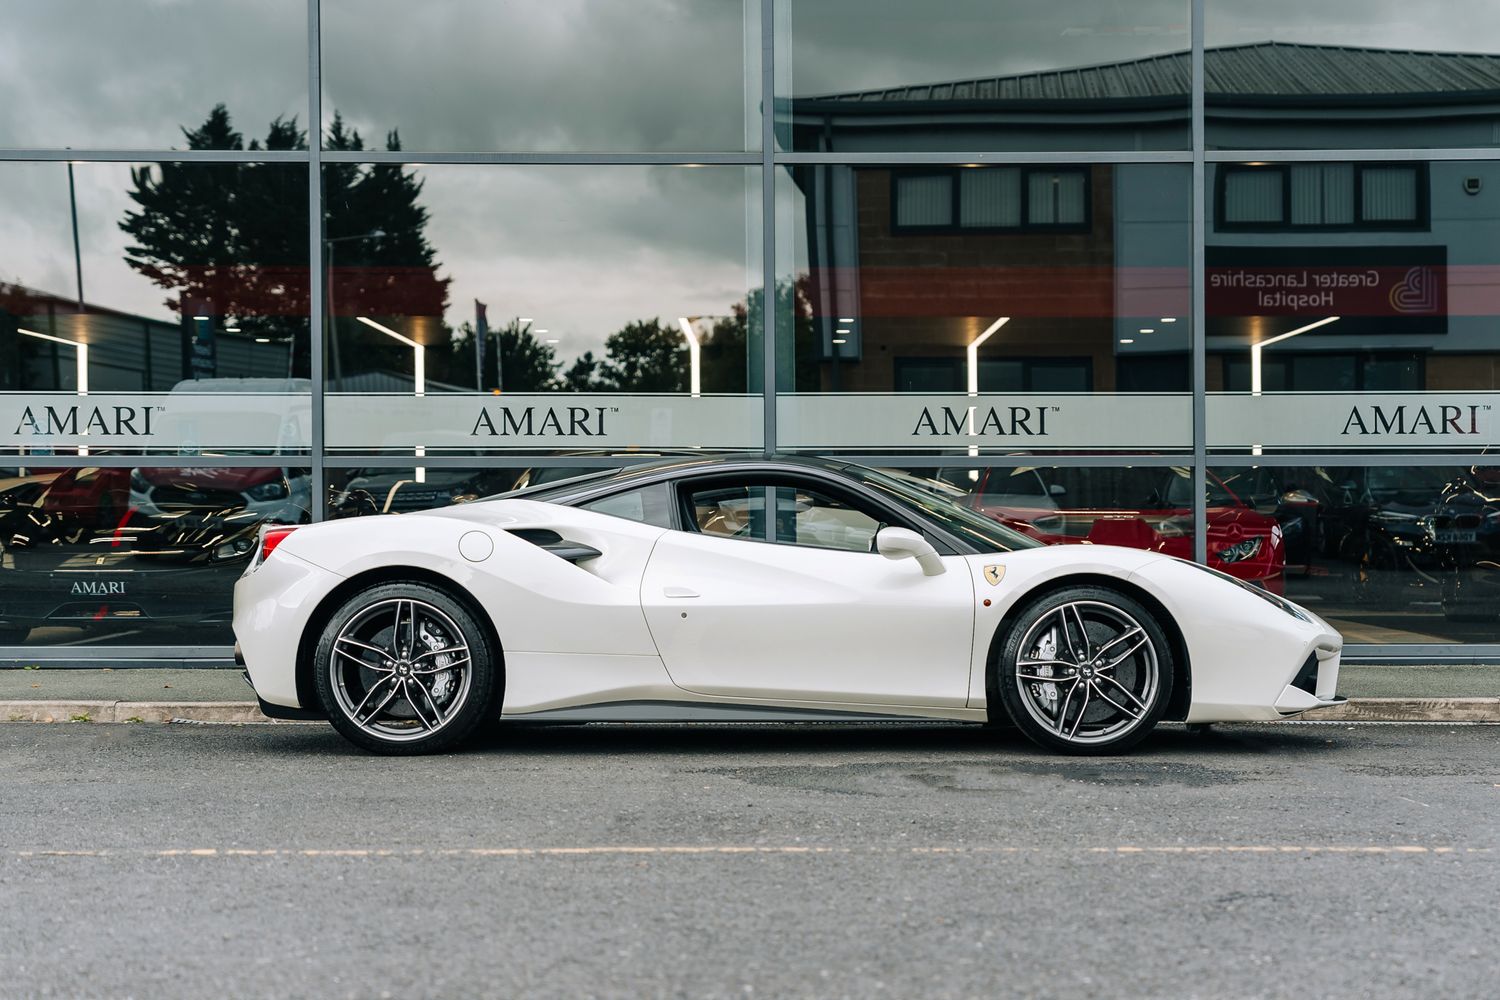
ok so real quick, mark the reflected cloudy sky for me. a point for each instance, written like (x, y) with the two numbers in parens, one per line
(589, 247)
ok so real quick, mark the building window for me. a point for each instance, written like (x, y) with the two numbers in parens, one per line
(996, 375)
(991, 199)
(1322, 196)
(1369, 371)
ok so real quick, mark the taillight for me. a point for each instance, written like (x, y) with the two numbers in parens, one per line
(271, 536)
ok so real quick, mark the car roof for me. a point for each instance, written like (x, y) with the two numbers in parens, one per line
(672, 468)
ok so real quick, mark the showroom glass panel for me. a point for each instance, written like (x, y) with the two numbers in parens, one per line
(1144, 507)
(1386, 553)
(1055, 294)
(544, 75)
(189, 334)
(1286, 74)
(889, 75)
(599, 308)
(93, 74)
(133, 556)
(1353, 305)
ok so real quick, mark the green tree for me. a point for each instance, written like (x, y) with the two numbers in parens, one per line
(645, 356)
(525, 364)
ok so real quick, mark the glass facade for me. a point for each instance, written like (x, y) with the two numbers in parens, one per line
(1216, 280)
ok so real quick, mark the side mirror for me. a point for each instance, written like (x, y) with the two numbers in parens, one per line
(903, 543)
(1057, 490)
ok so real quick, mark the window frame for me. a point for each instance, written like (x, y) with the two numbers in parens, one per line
(1421, 223)
(883, 513)
(956, 227)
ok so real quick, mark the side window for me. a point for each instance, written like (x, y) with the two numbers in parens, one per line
(785, 514)
(648, 505)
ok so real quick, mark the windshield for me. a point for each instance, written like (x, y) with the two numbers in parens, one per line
(979, 531)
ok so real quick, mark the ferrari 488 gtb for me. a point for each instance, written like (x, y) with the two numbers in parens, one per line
(754, 589)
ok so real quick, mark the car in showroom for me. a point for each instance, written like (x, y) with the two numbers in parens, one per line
(100, 547)
(1144, 508)
(754, 588)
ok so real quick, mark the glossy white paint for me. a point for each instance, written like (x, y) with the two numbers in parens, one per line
(767, 625)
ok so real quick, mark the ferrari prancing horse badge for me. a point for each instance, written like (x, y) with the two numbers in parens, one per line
(994, 574)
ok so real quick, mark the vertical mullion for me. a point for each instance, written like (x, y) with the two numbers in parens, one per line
(768, 221)
(315, 330)
(1198, 283)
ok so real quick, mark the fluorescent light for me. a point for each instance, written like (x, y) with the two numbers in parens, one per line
(262, 340)
(973, 353)
(551, 340)
(695, 356)
(231, 329)
(1147, 329)
(544, 331)
(846, 319)
(1169, 319)
(47, 336)
(1255, 351)
(1126, 340)
(203, 317)
(525, 319)
(840, 340)
(841, 331)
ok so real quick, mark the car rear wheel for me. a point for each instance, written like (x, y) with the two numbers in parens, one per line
(1086, 670)
(403, 668)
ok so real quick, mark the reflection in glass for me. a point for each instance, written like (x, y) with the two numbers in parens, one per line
(1008, 279)
(133, 75)
(144, 555)
(547, 75)
(1285, 74)
(521, 279)
(1386, 553)
(887, 75)
(1353, 277)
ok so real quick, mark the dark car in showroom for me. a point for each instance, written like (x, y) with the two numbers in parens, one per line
(99, 547)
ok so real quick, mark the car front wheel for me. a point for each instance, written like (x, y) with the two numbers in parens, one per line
(403, 668)
(1086, 670)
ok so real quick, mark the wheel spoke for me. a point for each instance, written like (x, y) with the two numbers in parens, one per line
(365, 720)
(437, 670)
(345, 640)
(1082, 711)
(406, 686)
(364, 662)
(1118, 707)
(1083, 633)
(1129, 633)
(460, 648)
(1127, 654)
(1042, 663)
(1062, 712)
(1064, 679)
(1125, 690)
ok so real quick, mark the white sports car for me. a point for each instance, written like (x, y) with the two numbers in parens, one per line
(754, 589)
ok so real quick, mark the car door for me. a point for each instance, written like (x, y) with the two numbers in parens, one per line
(772, 591)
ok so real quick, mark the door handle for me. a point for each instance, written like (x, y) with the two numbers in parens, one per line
(679, 592)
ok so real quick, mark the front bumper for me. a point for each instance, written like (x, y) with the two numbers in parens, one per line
(1315, 685)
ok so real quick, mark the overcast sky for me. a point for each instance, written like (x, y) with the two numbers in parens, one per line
(581, 249)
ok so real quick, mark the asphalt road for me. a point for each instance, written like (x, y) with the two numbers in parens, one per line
(817, 861)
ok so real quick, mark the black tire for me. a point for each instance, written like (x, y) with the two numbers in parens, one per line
(1124, 671)
(366, 686)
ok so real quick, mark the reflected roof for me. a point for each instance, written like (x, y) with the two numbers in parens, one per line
(1281, 69)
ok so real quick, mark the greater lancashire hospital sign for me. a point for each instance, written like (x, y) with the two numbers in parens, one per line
(190, 423)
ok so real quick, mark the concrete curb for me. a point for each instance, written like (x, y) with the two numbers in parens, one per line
(1355, 710)
(131, 711)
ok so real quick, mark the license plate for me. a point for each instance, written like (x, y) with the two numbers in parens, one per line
(1455, 537)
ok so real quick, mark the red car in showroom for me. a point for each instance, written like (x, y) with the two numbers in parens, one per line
(1140, 508)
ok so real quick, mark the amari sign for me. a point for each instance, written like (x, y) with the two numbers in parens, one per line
(169, 422)
(1458, 421)
(903, 421)
(552, 421)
